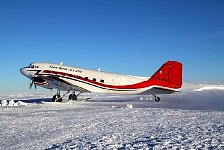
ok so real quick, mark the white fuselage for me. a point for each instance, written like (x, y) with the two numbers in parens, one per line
(54, 76)
(83, 79)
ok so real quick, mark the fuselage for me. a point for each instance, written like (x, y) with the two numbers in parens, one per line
(67, 78)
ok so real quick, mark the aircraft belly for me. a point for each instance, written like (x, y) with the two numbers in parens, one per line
(156, 90)
(83, 85)
(54, 84)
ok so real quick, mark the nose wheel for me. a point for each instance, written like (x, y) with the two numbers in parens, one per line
(157, 99)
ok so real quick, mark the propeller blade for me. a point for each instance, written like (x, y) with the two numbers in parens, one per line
(31, 84)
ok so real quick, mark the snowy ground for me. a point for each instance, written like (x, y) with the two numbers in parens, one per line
(187, 120)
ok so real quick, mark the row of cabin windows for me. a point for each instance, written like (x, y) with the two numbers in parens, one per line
(94, 79)
(86, 78)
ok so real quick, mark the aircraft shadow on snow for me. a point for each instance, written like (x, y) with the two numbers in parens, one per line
(37, 101)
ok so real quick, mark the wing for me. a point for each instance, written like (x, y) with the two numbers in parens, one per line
(55, 82)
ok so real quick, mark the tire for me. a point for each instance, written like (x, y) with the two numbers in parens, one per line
(54, 98)
(57, 98)
(70, 97)
(157, 99)
(74, 97)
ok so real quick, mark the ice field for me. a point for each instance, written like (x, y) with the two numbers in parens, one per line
(192, 119)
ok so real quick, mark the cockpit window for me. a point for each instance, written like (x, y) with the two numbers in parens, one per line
(31, 66)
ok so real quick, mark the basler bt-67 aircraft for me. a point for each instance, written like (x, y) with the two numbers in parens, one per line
(167, 80)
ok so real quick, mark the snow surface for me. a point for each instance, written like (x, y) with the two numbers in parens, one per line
(202, 86)
(187, 120)
(221, 87)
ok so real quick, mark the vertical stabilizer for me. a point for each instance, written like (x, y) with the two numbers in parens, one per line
(169, 75)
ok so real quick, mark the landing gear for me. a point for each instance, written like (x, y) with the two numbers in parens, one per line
(57, 98)
(157, 99)
(72, 96)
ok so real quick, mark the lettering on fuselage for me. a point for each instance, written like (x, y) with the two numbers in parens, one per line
(65, 69)
(161, 79)
(54, 67)
(79, 71)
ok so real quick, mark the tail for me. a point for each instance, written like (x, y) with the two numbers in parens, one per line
(169, 76)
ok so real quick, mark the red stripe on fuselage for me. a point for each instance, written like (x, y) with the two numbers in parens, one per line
(140, 85)
(41, 83)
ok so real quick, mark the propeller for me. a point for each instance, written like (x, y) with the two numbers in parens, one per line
(37, 80)
(32, 83)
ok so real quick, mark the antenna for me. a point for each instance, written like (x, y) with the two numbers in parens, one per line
(61, 63)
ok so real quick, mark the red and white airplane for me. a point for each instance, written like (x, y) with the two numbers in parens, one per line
(166, 80)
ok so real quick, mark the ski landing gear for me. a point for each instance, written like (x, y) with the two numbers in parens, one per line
(157, 99)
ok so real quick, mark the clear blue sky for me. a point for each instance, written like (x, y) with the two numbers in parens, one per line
(123, 36)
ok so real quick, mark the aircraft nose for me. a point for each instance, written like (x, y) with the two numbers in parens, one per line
(22, 71)
(25, 72)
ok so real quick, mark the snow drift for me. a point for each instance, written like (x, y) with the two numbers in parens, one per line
(4, 103)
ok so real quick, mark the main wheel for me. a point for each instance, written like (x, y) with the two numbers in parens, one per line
(54, 98)
(57, 98)
(157, 99)
(72, 97)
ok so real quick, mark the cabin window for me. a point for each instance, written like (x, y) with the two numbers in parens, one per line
(102, 80)
(94, 79)
(55, 72)
(78, 77)
(86, 78)
(48, 72)
(70, 75)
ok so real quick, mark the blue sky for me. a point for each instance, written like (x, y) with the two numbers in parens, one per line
(121, 36)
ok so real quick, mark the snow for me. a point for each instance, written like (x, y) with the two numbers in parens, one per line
(129, 106)
(11, 102)
(187, 120)
(221, 87)
(202, 86)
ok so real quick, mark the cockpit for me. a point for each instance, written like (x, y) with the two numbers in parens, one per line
(33, 66)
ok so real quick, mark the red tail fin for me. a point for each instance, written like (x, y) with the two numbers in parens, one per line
(169, 75)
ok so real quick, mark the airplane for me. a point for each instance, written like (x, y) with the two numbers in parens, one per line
(167, 80)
